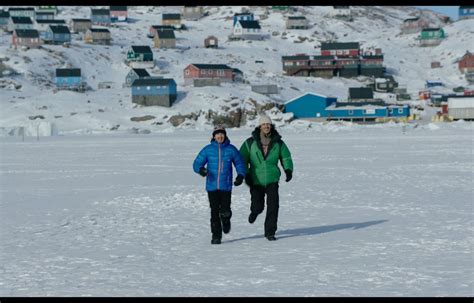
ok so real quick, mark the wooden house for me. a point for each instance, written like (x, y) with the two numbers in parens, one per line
(4, 17)
(265, 89)
(154, 28)
(100, 17)
(81, 25)
(47, 9)
(431, 36)
(340, 49)
(118, 13)
(341, 12)
(28, 12)
(15, 23)
(435, 64)
(43, 26)
(134, 74)
(68, 78)
(466, 12)
(171, 19)
(242, 16)
(139, 53)
(305, 66)
(309, 105)
(98, 36)
(297, 22)
(165, 39)
(414, 25)
(211, 42)
(192, 13)
(26, 37)
(208, 71)
(154, 91)
(247, 30)
(372, 65)
(466, 64)
(57, 34)
(45, 16)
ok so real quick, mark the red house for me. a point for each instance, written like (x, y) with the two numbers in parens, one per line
(118, 13)
(26, 37)
(209, 71)
(466, 64)
(340, 49)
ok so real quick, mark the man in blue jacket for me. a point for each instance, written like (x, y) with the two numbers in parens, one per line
(219, 156)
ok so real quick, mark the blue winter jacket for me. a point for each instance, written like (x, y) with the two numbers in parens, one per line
(219, 159)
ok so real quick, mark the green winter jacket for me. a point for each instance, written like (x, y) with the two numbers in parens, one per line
(264, 171)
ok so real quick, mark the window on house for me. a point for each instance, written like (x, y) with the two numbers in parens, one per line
(339, 52)
(351, 112)
(148, 88)
(400, 110)
(203, 72)
(187, 72)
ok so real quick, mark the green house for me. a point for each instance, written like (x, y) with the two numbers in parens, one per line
(47, 9)
(280, 8)
(431, 36)
(141, 53)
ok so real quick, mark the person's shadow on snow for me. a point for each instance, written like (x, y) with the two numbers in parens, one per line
(308, 231)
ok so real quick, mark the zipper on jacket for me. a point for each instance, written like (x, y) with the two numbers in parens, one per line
(219, 166)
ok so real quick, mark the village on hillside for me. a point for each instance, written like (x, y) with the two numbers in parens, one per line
(35, 27)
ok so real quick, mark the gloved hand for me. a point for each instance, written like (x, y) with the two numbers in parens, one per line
(203, 171)
(289, 175)
(239, 180)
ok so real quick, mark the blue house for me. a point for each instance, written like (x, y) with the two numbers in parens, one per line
(309, 105)
(4, 16)
(430, 84)
(57, 34)
(101, 17)
(68, 78)
(154, 91)
(243, 16)
(323, 108)
(466, 12)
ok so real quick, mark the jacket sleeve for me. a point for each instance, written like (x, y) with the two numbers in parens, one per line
(285, 157)
(245, 153)
(239, 162)
(200, 161)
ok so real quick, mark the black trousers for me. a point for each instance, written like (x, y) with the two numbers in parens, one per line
(257, 194)
(219, 202)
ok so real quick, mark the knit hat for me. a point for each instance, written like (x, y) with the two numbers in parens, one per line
(264, 119)
(219, 129)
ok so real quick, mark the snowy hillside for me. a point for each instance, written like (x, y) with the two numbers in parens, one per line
(29, 99)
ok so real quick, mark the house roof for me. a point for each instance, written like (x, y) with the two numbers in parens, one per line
(141, 49)
(360, 93)
(466, 6)
(68, 72)
(44, 13)
(323, 57)
(297, 57)
(100, 11)
(411, 19)
(81, 20)
(339, 45)
(4, 14)
(211, 66)
(237, 71)
(372, 56)
(99, 30)
(162, 27)
(21, 20)
(59, 29)
(166, 34)
(118, 8)
(313, 94)
(341, 7)
(141, 72)
(21, 9)
(57, 21)
(152, 81)
(27, 33)
(171, 17)
(378, 103)
(297, 18)
(431, 29)
(249, 24)
(243, 14)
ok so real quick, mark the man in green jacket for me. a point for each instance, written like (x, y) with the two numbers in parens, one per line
(261, 153)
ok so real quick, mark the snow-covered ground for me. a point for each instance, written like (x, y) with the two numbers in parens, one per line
(371, 211)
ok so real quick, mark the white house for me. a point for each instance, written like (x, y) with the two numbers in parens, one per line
(249, 30)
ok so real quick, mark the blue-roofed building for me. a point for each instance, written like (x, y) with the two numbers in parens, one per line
(154, 91)
(309, 105)
(466, 12)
